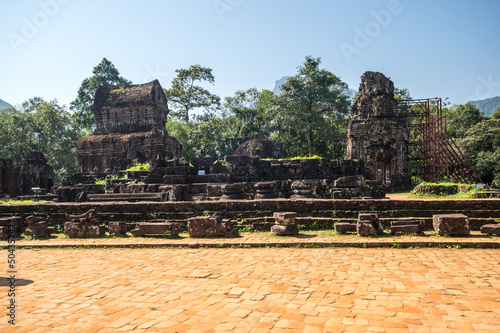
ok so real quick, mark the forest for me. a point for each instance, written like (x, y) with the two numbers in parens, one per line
(308, 118)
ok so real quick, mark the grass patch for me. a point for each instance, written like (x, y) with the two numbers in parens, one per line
(22, 202)
(315, 157)
(138, 167)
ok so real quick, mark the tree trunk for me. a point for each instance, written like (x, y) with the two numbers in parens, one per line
(310, 142)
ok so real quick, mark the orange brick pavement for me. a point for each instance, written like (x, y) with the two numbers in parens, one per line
(256, 290)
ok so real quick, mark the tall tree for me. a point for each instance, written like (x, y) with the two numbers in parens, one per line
(40, 126)
(185, 95)
(104, 73)
(310, 99)
(462, 117)
(481, 145)
(251, 108)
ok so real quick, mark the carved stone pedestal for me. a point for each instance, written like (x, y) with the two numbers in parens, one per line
(304, 189)
(285, 224)
(118, 228)
(38, 226)
(266, 190)
(369, 225)
(233, 192)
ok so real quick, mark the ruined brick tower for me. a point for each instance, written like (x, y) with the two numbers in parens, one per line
(130, 126)
(376, 134)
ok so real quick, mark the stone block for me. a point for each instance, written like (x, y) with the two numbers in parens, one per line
(266, 190)
(351, 181)
(239, 160)
(304, 189)
(160, 228)
(15, 221)
(118, 228)
(368, 224)
(33, 218)
(234, 191)
(202, 226)
(491, 229)
(4, 231)
(39, 225)
(285, 230)
(451, 224)
(343, 227)
(77, 230)
(39, 232)
(366, 229)
(407, 227)
(284, 217)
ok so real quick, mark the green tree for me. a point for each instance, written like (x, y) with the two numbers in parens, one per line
(251, 109)
(40, 126)
(185, 95)
(481, 145)
(104, 73)
(496, 114)
(309, 101)
(462, 117)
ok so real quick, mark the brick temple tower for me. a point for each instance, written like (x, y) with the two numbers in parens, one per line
(376, 134)
(130, 126)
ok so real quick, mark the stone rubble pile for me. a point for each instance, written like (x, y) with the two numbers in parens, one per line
(38, 226)
(83, 225)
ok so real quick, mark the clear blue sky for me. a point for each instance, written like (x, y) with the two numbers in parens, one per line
(433, 48)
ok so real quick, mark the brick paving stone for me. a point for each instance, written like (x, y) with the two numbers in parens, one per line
(266, 289)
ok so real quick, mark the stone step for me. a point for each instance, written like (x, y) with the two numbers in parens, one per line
(126, 197)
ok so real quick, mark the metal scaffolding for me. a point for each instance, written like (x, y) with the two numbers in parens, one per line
(433, 154)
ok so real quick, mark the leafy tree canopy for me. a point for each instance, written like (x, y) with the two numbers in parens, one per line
(308, 100)
(185, 95)
(462, 117)
(104, 73)
(40, 126)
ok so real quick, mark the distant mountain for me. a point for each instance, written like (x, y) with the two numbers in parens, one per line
(279, 83)
(487, 105)
(4, 105)
(277, 87)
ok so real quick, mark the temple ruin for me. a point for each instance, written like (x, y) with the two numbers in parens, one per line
(33, 174)
(129, 127)
(376, 134)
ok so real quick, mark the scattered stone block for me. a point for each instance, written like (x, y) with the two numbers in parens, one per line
(491, 229)
(451, 224)
(40, 232)
(83, 225)
(285, 218)
(117, 228)
(285, 230)
(350, 181)
(4, 231)
(162, 228)
(38, 226)
(284, 224)
(304, 189)
(234, 191)
(77, 230)
(266, 190)
(344, 227)
(368, 224)
(15, 221)
(202, 226)
(407, 227)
